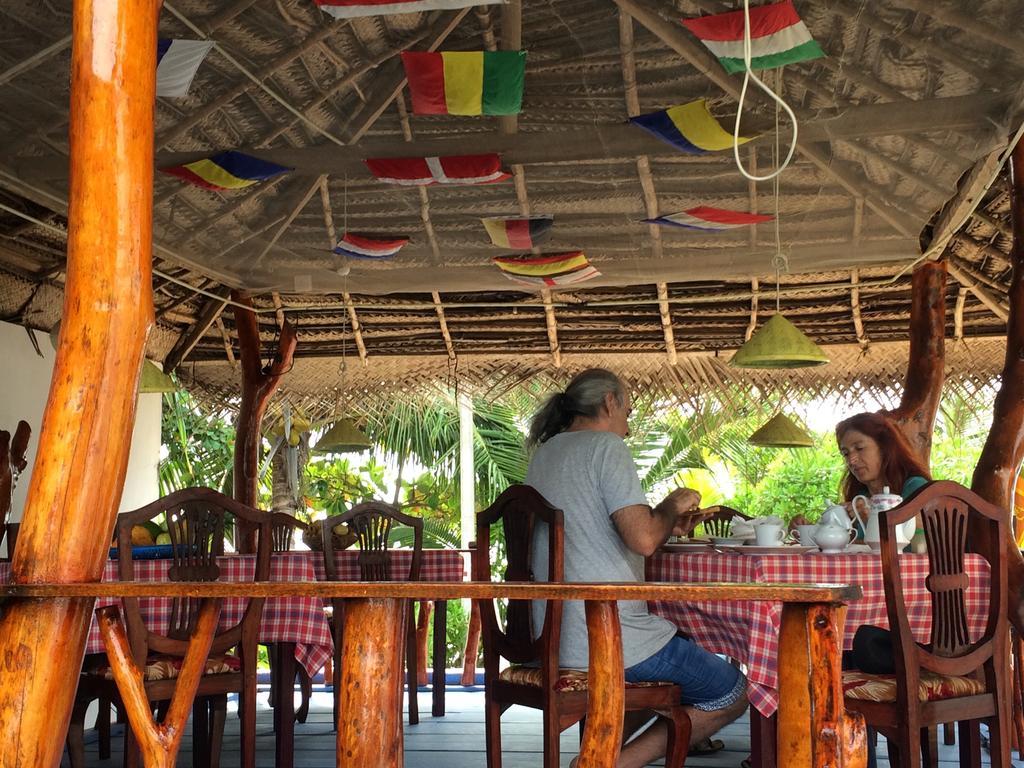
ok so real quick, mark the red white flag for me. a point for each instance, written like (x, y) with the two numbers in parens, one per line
(422, 171)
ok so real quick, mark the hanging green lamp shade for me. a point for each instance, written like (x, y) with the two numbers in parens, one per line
(154, 380)
(780, 431)
(778, 344)
(343, 437)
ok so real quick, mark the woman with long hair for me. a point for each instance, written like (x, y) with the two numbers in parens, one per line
(877, 456)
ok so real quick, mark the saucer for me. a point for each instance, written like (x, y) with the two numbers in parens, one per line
(727, 541)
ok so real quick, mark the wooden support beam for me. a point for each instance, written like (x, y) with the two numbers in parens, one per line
(229, 353)
(259, 383)
(1001, 457)
(158, 742)
(981, 293)
(353, 320)
(926, 364)
(35, 59)
(858, 323)
(511, 40)
(752, 325)
(666, 324)
(958, 208)
(439, 308)
(595, 142)
(958, 314)
(278, 307)
(303, 202)
(208, 315)
(552, 325)
(86, 432)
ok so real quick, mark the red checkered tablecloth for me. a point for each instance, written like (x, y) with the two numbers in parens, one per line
(298, 620)
(749, 631)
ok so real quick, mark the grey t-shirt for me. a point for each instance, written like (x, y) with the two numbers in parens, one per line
(589, 475)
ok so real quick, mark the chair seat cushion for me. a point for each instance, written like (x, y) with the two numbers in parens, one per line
(568, 679)
(932, 687)
(159, 667)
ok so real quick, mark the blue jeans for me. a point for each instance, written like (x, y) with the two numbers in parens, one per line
(708, 682)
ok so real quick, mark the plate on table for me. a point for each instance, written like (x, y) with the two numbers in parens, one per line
(777, 549)
(687, 545)
(853, 549)
(155, 552)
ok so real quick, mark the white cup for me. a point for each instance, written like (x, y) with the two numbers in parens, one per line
(769, 534)
(805, 533)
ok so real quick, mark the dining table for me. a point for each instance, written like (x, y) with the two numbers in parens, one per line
(295, 627)
(749, 632)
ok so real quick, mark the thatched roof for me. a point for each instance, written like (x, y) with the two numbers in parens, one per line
(900, 130)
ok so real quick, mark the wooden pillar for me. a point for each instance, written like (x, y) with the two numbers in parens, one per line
(1000, 459)
(813, 728)
(922, 387)
(606, 700)
(372, 676)
(86, 431)
(258, 384)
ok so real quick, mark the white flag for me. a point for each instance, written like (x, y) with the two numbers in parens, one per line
(176, 64)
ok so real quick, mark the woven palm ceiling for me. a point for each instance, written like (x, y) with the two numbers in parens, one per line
(900, 126)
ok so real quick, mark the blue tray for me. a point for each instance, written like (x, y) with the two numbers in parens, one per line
(157, 552)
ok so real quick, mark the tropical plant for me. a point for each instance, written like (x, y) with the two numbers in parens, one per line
(335, 484)
(198, 444)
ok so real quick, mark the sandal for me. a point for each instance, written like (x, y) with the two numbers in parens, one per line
(706, 747)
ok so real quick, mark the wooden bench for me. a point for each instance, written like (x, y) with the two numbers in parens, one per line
(813, 729)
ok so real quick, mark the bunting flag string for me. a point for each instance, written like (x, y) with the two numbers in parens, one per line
(226, 170)
(777, 37)
(688, 127)
(465, 82)
(424, 171)
(547, 270)
(710, 219)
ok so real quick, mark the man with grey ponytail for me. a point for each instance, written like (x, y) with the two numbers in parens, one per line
(581, 465)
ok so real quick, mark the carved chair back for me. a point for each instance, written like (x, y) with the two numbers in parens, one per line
(956, 521)
(720, 521)
(195, 519)
(372, 523)
(283, 530)
(520, 509)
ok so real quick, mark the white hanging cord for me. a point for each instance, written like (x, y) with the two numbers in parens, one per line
(749, 75)
(780, 262)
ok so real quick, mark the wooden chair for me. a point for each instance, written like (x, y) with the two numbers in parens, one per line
(719, 522)
(372, 523)
(196, 523)
(951, 679)
(283, 532)
(535, 679)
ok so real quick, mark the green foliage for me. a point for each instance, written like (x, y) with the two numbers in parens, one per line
(455, 634)
(199, 445)
(335, 485)
(796, 482)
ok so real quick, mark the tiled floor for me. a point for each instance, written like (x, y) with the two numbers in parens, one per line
(454, 741)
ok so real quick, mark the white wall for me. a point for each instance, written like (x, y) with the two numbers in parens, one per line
(23, 396)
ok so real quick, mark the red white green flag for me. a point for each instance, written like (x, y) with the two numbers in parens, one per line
(777, 37)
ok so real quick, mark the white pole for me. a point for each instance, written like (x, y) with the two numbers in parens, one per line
(467, 477)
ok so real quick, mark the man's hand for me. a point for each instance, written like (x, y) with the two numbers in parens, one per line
(684, 506)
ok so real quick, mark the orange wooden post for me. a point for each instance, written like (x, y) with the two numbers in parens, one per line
(86, 432)
(926, 359)
(159, 743)
(813, 727)
(258, 385)
(1001, 457)
(372, 676)
(606, 702)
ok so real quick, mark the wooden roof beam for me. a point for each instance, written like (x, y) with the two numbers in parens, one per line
(439, 308)
(229, 352)
(346, 297)
(958, 314)
(858, 322)
(754, 294)
(35, 59)
(357, 330)
(643, 169)
(209, 314)
(980, 292)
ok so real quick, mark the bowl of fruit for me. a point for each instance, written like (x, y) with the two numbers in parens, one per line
(342, 537)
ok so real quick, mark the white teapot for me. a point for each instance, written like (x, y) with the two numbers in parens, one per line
(835, 514)
(868, 515)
